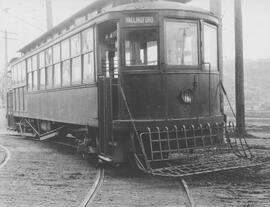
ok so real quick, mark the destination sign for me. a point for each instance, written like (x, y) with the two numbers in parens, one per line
(140, 20)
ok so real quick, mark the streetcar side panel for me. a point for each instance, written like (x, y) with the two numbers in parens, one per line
(74, 106)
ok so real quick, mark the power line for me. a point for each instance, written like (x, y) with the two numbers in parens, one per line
(21, 19)
(9, 38)
(8, 32)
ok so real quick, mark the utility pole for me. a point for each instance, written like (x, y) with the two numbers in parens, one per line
(216, 9)
(3, 76)
(239, 68)
(6, 38)
(6, 52)
(49, 17)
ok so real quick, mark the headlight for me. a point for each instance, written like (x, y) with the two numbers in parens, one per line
(187, 96)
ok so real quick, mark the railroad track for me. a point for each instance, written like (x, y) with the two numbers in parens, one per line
(100, 178)
(188, 196)
(6, 157)
(95, 188)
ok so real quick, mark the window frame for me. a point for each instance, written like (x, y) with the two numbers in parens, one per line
(146, 68)
(212, 25)
(57, 62)
(35, 70)
(84, 53)
(199, 39)
(41, 54)
(76, 56)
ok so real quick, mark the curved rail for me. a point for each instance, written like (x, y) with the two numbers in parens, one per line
(6, 158)
(188, 195)
(92, 193)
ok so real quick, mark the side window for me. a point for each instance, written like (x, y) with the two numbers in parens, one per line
(65, 51)
(12, 74)
(19, 68)
(49, 77)
(210, 45)
(17, 100)
(48, 73)
(56, 66)
(88, 55)
(15, 74)
(76, 69)
(66, 73)
(181, 40)
(23, 71)
(35, 72)
(75, 45)
(141, 47)
(41, 70)
(29, 74)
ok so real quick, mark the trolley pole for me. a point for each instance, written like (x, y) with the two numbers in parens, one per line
(49, 14)
(239, 68)
(216, 9)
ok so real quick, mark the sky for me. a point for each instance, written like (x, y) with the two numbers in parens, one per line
(26, 18)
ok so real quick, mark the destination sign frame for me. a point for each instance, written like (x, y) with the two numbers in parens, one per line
(139, 19)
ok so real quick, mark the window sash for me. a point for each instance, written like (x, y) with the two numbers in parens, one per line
(65, 49)
(66, 73)
(48, 57)
(42, 79)
(88, 40)
(75, 42)
(49, 77)
(57, 75)
(210, 45)
(56, 53)
(181, 43)
(41, 60)
(88, 68)
(35, 80)
(29, 64)
(34, 62)
(141, 47)
(30, 82)
(76, 70)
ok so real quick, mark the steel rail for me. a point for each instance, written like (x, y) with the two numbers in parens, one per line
(191, 202)
(6, 158)
(95, 188)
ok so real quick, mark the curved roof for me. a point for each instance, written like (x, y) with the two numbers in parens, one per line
(158, 5)
(117, 5)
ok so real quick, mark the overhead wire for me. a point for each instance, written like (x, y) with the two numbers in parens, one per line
(22, 20)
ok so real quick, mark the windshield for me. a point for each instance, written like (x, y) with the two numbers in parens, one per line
(210, 45)
(141, 47)
(181, 43)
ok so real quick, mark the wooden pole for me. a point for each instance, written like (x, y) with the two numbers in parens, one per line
(239, 68)
(49, 14)
(216, 9)
(6, 53)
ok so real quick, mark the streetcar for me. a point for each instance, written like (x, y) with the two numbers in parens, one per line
(130, 80)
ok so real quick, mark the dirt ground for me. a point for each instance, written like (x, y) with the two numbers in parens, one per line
(243, 187)
(41, 174)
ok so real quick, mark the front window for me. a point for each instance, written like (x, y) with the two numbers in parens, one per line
(141, 47)
(210, 45)
(181, 43)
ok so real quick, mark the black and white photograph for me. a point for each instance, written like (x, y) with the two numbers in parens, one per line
(134, 103)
